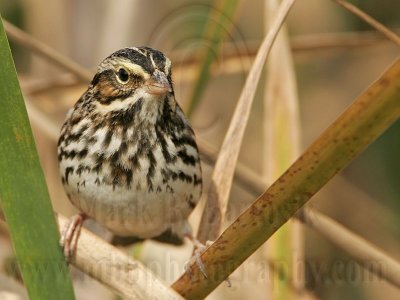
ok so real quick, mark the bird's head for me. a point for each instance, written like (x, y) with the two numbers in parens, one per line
(131, 74)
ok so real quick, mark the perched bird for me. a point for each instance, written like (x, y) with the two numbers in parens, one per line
(127, 154)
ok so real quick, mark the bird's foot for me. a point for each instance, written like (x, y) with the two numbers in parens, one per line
(199, 249)
(70, 234)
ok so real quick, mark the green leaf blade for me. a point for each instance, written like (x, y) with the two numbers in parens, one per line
(24, 196)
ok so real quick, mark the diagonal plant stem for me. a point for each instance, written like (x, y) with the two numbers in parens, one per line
(299, 44)
(221, 181)
(371, 21)
(372, 113)
(332, 230)
(44, 50)
(369, 256)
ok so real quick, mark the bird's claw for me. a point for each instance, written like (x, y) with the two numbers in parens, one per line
(70, 234)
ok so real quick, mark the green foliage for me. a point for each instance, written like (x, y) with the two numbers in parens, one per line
(24, 196)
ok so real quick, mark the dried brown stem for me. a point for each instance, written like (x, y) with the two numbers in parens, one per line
(368, 255)
(372, 113)
(19, 36)
(243, 174)
(281, 145)
(221, 181)
(32, 86)
(112, 267)
(234, 61)
(371, 21)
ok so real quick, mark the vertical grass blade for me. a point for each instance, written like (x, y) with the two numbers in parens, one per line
(281, 147)
(24, 196)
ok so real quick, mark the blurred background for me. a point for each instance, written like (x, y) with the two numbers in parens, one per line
(336, 56)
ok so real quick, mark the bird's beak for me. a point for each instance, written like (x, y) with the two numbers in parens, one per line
(158, 84)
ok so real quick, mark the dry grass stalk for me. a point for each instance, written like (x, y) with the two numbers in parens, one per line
(42, 49)
(372, 113)
(331, 229)
(366, 254)
(112, 267)
(371, 21)
(32, 86)
(218, 193)
(336, 40)
(186, 70)
(281, 143)
(245, 176)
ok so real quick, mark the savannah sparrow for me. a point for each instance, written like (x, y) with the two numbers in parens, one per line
(127, 155)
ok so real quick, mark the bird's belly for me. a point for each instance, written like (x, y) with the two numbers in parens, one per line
(136, 210)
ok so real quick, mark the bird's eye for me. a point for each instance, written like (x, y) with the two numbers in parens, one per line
(123, 75)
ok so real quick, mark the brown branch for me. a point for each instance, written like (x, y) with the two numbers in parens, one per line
(221, 181)
(371, 21)
(331, 230)
(367, 118)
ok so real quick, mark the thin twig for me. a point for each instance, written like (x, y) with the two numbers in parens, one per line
(47, 52)
(371, 21)
(218, 194)
(335, 40)
(368, 255)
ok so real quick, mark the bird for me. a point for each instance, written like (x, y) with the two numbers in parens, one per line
(128, 156)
